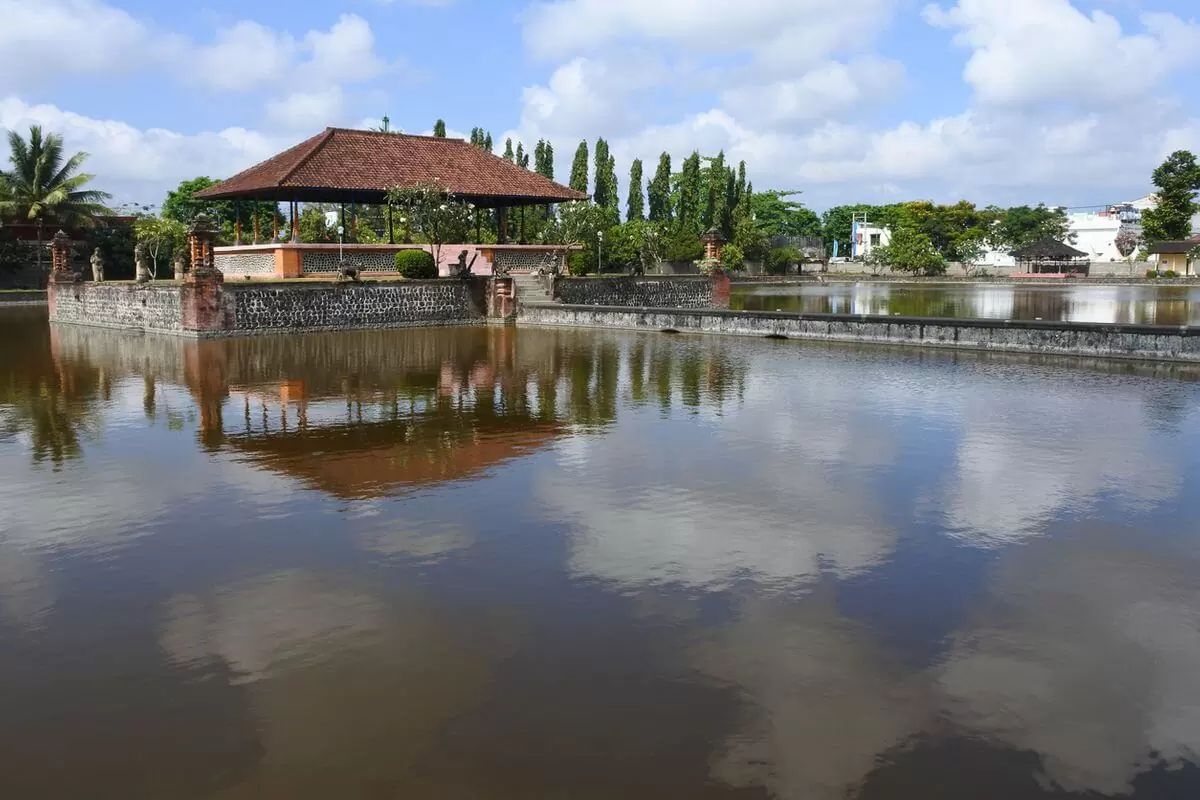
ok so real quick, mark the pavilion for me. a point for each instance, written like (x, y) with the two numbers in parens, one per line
(356, 167)
(1050, 256)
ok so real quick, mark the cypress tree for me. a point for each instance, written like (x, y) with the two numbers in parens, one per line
(635, 209)
(579, 168)
(688, 212)
(439, 129)
(714, 188)
(729, 205)
(548, 162)
(659, 190)
(522, 159)
(487, 143)
(741, 183)
(606, 191)
(508, 152)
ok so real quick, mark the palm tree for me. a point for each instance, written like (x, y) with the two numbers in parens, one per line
(42, 187)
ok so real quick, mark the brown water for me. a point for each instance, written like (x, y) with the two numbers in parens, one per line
(502, 563)
(1149, 305)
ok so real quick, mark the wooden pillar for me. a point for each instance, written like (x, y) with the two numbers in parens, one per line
(237, 222)
(502, 236)
(257, 207)
(391, 230)
(295, 221)
(522, 224)
(478, 230)
(274, 221)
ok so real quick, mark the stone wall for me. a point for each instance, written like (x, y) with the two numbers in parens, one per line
(206, 308)
(117, 305)
(255, 264)
(1154, 342)
(337, 306)
(678, 292)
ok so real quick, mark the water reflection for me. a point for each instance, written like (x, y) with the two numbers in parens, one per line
(519, 563)
(1149, 305)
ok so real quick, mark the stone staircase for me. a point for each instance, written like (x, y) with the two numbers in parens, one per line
(529, 288)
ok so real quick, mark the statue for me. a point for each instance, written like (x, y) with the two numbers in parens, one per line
(181, 263)
(97, 266)
(141, 255)
(461, 268)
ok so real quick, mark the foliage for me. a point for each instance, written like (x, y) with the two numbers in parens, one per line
(44, 186)
(182, 205)
(509, 156)
(837, 225)
(732, 257)
(439, 129)
(579, 169)
(14, 255)
(1152, 273)
(1170, 274)
(1127, 241)
(750, 238)
(682, 244)
(635, 207)
(580, 263)
(605, 194)
(416, 264)
(688, 190)
(433, 212)
(659, 191)
(116, 243)
(543, 159)
(779, 260)
(481, 139)
(712, 192)
(161, 236)
(971, 248)
(777, 216)
(1020, 226)
(912, 251)
(1194, 254)
(1178, 181)
(314, 224)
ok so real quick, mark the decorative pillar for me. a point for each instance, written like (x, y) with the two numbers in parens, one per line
(201, 234)
(714, 244)
(295, 221)
(274, 222)
(391, 230)
(60, 259)
(237, 222)
(256, 226)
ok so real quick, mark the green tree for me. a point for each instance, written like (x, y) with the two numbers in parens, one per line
(778, 216)
(487, 142)
(1177, 180)
(439, 129)
(635, 208)
(750, 238)
(182, 205)
(837, 225)
(911, 251)
(162, 236)
(688, 210)
(543, 159)
(1012, 228)
(434, 213)
(509, 156)
(579, 168)
(732, 257)
(713, 183)
(605, 193)
(43, 186)
(659, 190)
(522, 160)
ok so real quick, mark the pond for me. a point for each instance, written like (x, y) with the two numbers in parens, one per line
(1150, 305)
(516, 563)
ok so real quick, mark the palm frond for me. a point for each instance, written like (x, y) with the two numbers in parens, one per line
(70, 168)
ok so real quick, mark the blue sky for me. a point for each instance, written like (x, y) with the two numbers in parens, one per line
(1004, 101)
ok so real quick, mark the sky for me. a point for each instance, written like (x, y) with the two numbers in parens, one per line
(1066, 102)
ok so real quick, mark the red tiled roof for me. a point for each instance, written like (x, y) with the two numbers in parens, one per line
(342, 164)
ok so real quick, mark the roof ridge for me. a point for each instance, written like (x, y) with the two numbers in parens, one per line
(454, 139)
(321, 140)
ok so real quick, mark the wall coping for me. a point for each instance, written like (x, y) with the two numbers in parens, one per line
(941, 322)
(385, 248)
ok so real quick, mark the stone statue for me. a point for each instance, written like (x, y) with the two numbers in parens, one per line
(461, 268)
(141, 257)
(97, 266)
(181, 263)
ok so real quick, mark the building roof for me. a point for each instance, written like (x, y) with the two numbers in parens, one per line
(1177, 247)
(342, 165)
(1047, 248)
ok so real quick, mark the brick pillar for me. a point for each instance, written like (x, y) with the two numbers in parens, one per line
(720, 289)
(60, 259)
(201, 235)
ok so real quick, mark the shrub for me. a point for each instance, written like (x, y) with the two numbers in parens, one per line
(1151, 273)
(416, 264)
(780, 259)
(732, 257)
(580, 263)
(1170, 274)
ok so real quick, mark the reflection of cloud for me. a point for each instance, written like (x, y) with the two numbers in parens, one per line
(822, 702)
(1089, 656)
(426, 540)
(350, 683)
(1016, 468)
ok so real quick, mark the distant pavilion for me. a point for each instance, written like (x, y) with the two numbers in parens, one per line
(343, 166)
(1050, 256)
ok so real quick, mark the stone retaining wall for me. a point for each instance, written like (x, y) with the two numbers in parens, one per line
(1156, 342)
(117, 305)
(209, 308)
(676, 292)
(263, 307)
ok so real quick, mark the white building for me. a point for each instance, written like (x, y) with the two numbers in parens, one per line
(865, 236)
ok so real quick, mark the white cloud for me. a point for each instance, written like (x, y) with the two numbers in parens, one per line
(309, 111)
(825, 90)
(243, 57)
(1029, 51)
(136, 164)
(45, 41)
